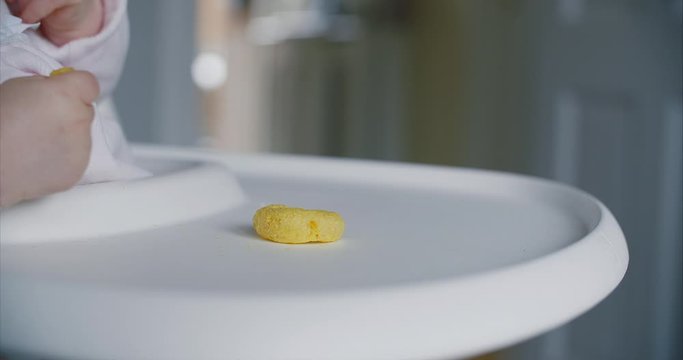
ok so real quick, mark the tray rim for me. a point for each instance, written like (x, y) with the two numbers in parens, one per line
(602, 254)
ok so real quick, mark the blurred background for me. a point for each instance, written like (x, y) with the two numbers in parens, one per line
(586, 92)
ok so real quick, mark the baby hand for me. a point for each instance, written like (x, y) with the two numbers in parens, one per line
(44, 134)
(61, 21)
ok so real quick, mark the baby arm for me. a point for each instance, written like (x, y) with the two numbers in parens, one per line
(90, 35)
(44, 149)
(32, 53)
(61, 21)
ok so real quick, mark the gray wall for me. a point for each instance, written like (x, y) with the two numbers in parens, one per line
(155, 98)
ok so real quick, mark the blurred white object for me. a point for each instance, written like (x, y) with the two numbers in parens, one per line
(435, 263)
(209, 70)
(302, 24)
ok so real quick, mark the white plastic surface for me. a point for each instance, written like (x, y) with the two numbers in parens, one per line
(179, 191)
(435, 263)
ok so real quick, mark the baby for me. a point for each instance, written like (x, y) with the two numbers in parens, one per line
(88, 35)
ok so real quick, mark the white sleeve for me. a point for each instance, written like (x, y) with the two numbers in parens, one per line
(102, 54)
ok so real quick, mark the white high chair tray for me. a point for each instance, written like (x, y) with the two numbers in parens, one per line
(435, 263)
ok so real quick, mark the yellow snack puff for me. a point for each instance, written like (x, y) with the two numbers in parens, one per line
(288, 225)
(62, 70)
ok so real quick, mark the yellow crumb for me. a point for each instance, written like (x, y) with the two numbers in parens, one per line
(62, 70)
(288, 225)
